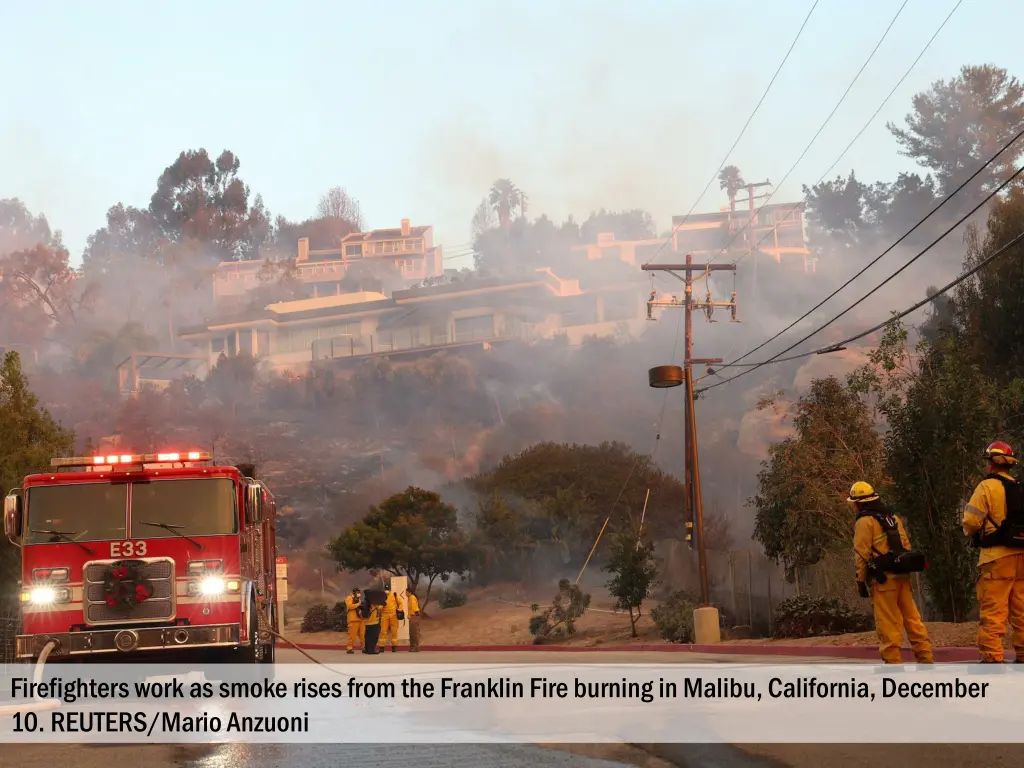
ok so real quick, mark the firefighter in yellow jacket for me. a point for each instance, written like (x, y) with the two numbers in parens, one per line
(414, 622)
(994, 519)
(892, 595)
(356, 628)
(389, 620)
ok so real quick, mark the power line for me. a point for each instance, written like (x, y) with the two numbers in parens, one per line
(899, 316)
(878, 258)
(814, 138)
(874, 290)
(742, 132)
(860, 133)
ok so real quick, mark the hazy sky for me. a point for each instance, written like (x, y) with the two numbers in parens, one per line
(417, 107)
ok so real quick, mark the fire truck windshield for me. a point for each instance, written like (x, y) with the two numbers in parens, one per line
(188, 507)
(76, 512)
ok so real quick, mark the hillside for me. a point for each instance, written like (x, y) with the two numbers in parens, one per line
(500, 615)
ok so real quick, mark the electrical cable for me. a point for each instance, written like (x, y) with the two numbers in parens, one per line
(860, 133)
(874, 261)
(878, 287)
(814, 138)
(909, 310)
(899, 316)
(742, 132)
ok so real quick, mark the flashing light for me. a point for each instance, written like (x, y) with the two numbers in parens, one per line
(46, 595)
(201, 567)
(50, 574)
(131, 459)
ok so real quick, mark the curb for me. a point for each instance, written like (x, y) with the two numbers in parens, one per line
(29, 706)
(948, 655)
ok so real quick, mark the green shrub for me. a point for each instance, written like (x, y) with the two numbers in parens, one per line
(559, 621)
(339, 617)
(317, 619)
(674, 617)
(805, 616)
(452, 598)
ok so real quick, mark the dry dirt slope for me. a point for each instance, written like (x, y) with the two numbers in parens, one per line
(500, 615)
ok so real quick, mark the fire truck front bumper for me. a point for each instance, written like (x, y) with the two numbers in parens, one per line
(115, 641)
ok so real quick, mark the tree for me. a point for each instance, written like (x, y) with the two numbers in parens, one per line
(960, 123)
(29, 438)
(39, 298)
(20, 230)
(559, 620)
(941, 411)
(801, 508)
(634, 574)
(731, 181)
(571, 489)
(338, 206)
(626, 225)
(201, 199)
(507, 201)
(412, 534)
(232, 380)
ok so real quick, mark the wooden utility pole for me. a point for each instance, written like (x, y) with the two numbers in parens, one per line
(693, 503)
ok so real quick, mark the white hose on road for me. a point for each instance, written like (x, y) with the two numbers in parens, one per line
(37, 677)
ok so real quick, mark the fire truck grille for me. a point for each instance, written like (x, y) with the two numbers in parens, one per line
(159, 606)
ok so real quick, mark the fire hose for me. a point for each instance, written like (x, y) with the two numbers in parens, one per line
(37, 677)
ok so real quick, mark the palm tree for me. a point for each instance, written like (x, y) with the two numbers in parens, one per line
(506, 199)
(731, 180)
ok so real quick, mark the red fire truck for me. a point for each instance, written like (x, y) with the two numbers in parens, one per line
(132, 555)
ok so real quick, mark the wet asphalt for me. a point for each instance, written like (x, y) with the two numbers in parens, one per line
(387, 756)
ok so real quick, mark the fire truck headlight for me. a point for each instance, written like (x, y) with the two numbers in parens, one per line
(212, 586)
(45, 596)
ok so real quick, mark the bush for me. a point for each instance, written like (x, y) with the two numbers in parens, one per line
(339, 617)
(452, 598)
(560, 619)
(804, 616)
(317, 619)
(674, 617)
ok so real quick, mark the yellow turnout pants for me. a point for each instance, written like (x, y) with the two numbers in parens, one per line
(356, 631)
(1001, 598)
(389, 625)
(895, 610)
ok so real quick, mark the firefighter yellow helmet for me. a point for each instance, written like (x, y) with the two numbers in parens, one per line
(861, 491)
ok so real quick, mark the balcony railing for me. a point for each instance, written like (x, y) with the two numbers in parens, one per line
(408, 341)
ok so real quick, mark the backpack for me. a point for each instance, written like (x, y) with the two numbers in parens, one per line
(898, 560)
(1010, 532)
(364, 609)
(399, 613)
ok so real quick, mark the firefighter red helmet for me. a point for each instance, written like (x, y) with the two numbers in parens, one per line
(1000, 453)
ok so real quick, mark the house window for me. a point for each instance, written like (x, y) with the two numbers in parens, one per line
(263, 342)
(471, 328)
(354, 250)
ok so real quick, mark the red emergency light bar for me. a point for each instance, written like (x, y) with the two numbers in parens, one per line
(131, 459)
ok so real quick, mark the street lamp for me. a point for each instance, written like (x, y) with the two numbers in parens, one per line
(705, 619)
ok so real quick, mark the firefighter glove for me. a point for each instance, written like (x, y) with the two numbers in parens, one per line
(862, 589)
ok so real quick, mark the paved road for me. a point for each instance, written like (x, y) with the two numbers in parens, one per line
(406, 756)
(552, 657)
